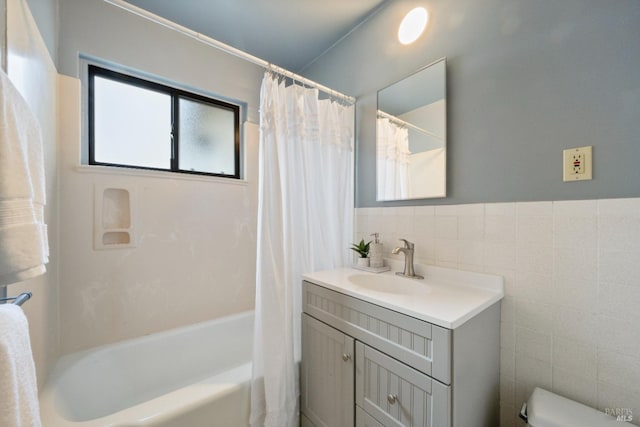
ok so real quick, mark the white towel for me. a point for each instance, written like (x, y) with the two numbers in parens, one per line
(18, 387)
(24, 249)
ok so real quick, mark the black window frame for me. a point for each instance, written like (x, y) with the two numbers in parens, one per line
(175, 94)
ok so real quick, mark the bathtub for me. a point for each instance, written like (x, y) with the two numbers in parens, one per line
(193, 376)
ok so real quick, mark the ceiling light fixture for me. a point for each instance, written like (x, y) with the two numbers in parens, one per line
(413, 25)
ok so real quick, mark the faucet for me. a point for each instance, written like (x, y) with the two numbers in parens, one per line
(407, 250)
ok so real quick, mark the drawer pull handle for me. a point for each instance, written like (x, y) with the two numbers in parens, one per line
(346, 357)
(392, 398)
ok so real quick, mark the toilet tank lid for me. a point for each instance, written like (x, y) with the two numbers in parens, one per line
(546, 409)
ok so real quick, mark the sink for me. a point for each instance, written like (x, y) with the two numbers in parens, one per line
(446, 297)
(390, 284)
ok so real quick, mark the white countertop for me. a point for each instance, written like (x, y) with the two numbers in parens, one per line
(445, 297)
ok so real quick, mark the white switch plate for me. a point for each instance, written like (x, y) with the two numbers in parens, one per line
(577, 164)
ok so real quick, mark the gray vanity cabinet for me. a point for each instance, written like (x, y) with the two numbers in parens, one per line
(369, 366)
(326, 375)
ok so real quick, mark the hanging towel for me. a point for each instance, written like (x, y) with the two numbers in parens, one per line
(18, 388)
(24, 249)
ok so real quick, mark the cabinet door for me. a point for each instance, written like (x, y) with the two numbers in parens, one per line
(397, 395)
(326, 375)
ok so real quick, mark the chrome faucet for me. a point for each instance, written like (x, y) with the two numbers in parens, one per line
(407, 250)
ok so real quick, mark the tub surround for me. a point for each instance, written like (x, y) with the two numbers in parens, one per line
(186, 229)
(178, 272)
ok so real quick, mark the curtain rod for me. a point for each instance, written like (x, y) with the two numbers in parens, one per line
(407, 124)
(226, 48)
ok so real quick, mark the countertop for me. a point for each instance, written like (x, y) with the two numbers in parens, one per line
(445, 297)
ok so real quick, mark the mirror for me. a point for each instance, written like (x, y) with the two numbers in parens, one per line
(411, 142)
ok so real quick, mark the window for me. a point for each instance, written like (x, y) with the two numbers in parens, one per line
(142, 124)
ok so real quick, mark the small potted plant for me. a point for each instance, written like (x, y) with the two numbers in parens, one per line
(362, 249)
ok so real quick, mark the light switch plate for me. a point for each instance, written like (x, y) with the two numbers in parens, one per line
(577, 164)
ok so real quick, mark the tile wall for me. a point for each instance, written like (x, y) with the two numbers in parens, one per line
(571, 314)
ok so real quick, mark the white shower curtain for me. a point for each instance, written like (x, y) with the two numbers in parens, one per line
(305, 216)
(392, 160)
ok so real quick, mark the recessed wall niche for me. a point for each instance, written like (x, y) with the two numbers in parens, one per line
(114, 217)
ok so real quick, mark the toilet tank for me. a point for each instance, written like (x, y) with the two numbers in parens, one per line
(546, 409)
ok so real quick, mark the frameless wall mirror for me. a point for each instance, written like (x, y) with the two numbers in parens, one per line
(411, 141)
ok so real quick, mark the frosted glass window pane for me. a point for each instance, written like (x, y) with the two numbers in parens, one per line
(207, 138)
(132, 125)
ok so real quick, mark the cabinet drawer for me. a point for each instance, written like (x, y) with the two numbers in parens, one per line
(365, 420)
(413, 341)
(396, 395)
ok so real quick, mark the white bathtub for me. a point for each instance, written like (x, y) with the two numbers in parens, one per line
(194, 376)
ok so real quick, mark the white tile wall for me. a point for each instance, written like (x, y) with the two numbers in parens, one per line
(572, 281)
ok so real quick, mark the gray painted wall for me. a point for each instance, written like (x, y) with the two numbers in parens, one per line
(95, 28)
(526, 79)
(45, 13)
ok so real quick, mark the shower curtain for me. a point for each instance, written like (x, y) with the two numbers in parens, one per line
(305, 216)
(392, 161)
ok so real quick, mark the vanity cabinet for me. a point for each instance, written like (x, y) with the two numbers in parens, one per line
(369, 366)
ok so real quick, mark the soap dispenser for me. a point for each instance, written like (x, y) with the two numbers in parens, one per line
(375, 252)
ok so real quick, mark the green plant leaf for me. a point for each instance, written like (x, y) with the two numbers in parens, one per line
(361, 248)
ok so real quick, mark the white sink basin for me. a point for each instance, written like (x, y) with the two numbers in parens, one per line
(445, 297)
(389, 284)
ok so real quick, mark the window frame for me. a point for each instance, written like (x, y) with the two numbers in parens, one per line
(175, 94)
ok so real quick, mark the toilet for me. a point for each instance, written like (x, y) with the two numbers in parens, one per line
(546, 409)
